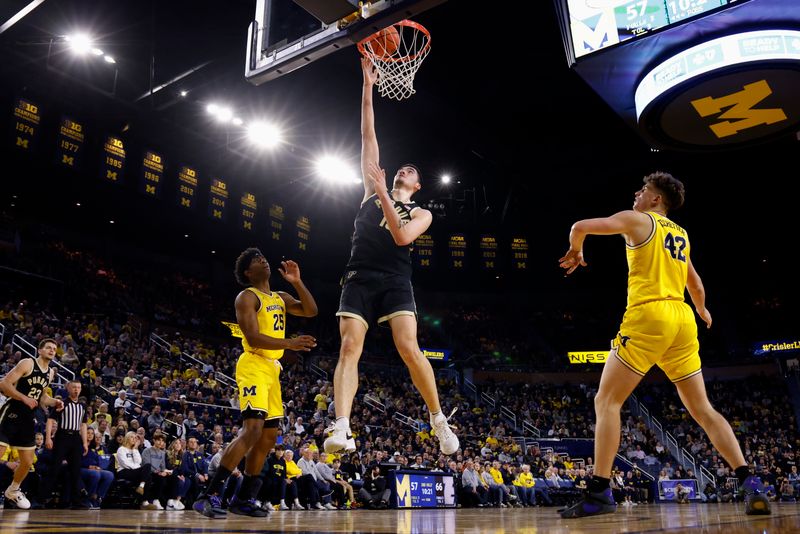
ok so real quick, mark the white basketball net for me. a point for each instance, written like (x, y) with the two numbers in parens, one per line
(396, 71)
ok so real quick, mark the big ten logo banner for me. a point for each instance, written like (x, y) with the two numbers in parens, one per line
(218, 199)
(27, 117)
(69, 144)
(423, 251)
(248, 213)
(187, 187)
(152, 174)
(457, 248)
(113, 163)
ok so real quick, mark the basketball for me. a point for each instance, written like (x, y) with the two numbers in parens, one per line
(385, 43)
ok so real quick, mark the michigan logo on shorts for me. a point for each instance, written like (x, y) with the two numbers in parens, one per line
(249, 391)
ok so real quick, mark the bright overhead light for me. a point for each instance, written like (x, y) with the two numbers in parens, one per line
(97, 52)
(111, 221)
(335, 171)
(212, 108)
(80, 43)
(446, 179)
(224, 114)
(109, 59)
(237, 121)
(264, 134)
(184, 93)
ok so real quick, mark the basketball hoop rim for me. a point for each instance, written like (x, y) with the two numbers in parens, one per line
(409, 23)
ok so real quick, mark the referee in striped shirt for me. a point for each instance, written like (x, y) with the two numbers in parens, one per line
(70, 443)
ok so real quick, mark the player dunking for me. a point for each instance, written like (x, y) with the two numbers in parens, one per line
(658, 329)
(377, 284)
(25, 387)
(261, 314)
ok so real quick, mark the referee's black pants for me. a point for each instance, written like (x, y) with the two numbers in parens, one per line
(67, 445)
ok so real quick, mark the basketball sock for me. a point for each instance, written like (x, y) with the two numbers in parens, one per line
(14, 486)
(215, 486)
(244, 490)
(598, 484)
(343, 422)
(742, 472)
(434, 414)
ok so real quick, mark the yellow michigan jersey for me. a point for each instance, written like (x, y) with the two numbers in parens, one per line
(258, 370)
(657, 268)
(271, 321)
(659, 328)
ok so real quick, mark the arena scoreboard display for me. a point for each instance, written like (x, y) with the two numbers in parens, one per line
(423, 489)
(598, 24)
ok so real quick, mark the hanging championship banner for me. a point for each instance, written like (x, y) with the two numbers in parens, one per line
(423, 251)
(218, 199)
(113, 160)
(187, 187)
(26, 124)
(457, 245)
(276, 217)
(303, 233)
(488, 247)
(152, 174)
(248, 213)
(519, 253)
(70, 143)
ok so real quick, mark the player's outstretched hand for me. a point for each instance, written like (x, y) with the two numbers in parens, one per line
(302, 343)
(377, 176)
(572, 260)
(290, 271)
(370, 74)
(59, 405)
(30, 402)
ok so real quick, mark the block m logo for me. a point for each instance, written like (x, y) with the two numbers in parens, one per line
(68, 160)
(741, 109)
(22, 143)
(594, 32)
(248, 391)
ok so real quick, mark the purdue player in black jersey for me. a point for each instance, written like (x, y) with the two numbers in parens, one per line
(25, 387)
(377, 282)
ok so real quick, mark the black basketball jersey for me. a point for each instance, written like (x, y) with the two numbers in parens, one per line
(373, 246)
(34, 384)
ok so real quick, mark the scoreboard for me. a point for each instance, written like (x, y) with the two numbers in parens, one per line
(424, 489)
(598, 24)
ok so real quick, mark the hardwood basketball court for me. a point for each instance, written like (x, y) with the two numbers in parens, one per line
(709, 519)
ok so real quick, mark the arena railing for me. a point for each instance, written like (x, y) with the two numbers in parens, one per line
(374, 403)
(471, 388)
(2, 333)
(509, 415)
(529, 428)
(406, 420)
(318, 371)
(684, 457)
(488, 399)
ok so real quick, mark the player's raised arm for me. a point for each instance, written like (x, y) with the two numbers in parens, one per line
(632, 225)
(369, 140)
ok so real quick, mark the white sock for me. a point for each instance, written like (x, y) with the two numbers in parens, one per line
(14, 486)
(141, 484)
(343, 423)
(435, 415)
